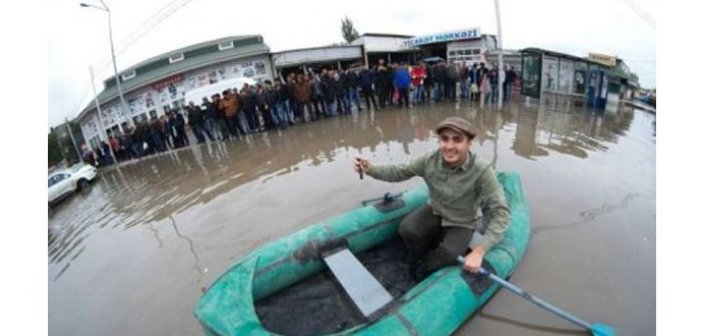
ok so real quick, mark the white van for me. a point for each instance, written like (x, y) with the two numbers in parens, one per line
(196, 95)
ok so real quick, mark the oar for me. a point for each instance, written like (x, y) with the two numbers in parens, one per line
(597, 329)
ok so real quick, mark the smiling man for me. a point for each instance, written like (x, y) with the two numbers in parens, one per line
(458, 184)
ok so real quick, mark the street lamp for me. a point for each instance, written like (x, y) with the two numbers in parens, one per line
(500, 70)
(102, 125)
(123, 103)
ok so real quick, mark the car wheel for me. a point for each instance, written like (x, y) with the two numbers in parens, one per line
(83, 184)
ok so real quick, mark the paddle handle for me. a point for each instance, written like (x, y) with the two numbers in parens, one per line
(534, 299)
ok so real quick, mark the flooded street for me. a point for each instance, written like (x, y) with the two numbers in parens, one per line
(132, 255)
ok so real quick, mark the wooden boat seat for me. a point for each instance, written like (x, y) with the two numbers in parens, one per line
(361, 286)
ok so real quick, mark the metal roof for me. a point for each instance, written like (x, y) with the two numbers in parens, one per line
(196, 56)
(386, 35)
(349, 46)
(558, 54)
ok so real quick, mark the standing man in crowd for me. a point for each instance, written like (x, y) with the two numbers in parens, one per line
(195, 121)
(402, 83)
(510, 76)
(329, 90)
(352, 85)
(452, 77)
(248, 102)
(340, 91)
(302, 91)
(383, 83)
(279, 110)
(263, 101)
(366, 79)
(418, 75)
(318, 96)
(211, 125)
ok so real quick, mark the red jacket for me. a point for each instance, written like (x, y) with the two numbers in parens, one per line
(418, 74)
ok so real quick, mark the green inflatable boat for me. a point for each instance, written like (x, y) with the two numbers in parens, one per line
(348, 275)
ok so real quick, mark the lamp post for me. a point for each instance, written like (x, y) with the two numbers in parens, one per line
(500, 74)
(70, 133)
(123, 103)
(103, 133)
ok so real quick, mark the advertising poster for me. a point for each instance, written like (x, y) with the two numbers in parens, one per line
(202, 79)
(579, 82)
(565, 76)
(531, 75)
(260, 68)
(580, 78)
(149, 101)
(173, 91)
(550, 73)
(248, 69)
(213, 77)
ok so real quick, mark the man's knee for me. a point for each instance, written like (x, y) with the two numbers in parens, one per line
(409, 232)
(417, 224)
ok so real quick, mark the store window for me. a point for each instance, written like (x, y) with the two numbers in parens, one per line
(176, 58)
(226, 45)
(128, 75)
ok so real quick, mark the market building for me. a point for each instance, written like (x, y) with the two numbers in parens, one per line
(464, 46)
(157, 85)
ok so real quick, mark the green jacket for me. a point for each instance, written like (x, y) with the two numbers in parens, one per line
(456, 194)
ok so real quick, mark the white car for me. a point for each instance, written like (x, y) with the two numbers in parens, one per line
(64, 183)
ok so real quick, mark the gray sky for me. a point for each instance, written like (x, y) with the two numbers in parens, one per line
(78, 36)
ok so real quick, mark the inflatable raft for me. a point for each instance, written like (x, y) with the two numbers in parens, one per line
(302, 284)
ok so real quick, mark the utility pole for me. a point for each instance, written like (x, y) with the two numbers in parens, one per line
(103, 133)
(123, 103)
(500, 70)
(70, 133)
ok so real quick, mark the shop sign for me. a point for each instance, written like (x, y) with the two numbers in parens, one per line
(167, 82)
(603, 59)
(456, 35)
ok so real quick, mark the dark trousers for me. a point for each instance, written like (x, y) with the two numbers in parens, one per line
(252, 118)
(403, 96)
(450, 89)
(308, 105)
(316, 102)
(431, 245)
(267, 117)
(234, 128)
(383, 94)
(369, 97)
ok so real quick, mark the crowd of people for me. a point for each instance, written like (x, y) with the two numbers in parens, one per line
(302, 98)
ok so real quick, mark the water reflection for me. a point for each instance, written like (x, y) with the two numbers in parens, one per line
(557, 126)
(156, 188)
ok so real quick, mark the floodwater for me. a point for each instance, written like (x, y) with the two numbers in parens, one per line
(132, 255)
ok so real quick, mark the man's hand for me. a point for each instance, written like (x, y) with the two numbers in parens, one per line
(361, 163)
(474, 260)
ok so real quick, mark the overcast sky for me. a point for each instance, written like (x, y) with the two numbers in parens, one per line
(78, 37)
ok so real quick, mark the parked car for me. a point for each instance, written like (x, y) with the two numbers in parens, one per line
(64, 183)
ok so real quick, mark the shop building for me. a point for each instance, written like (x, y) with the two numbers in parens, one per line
(157, 85)
(600, 80)
(464, 46)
